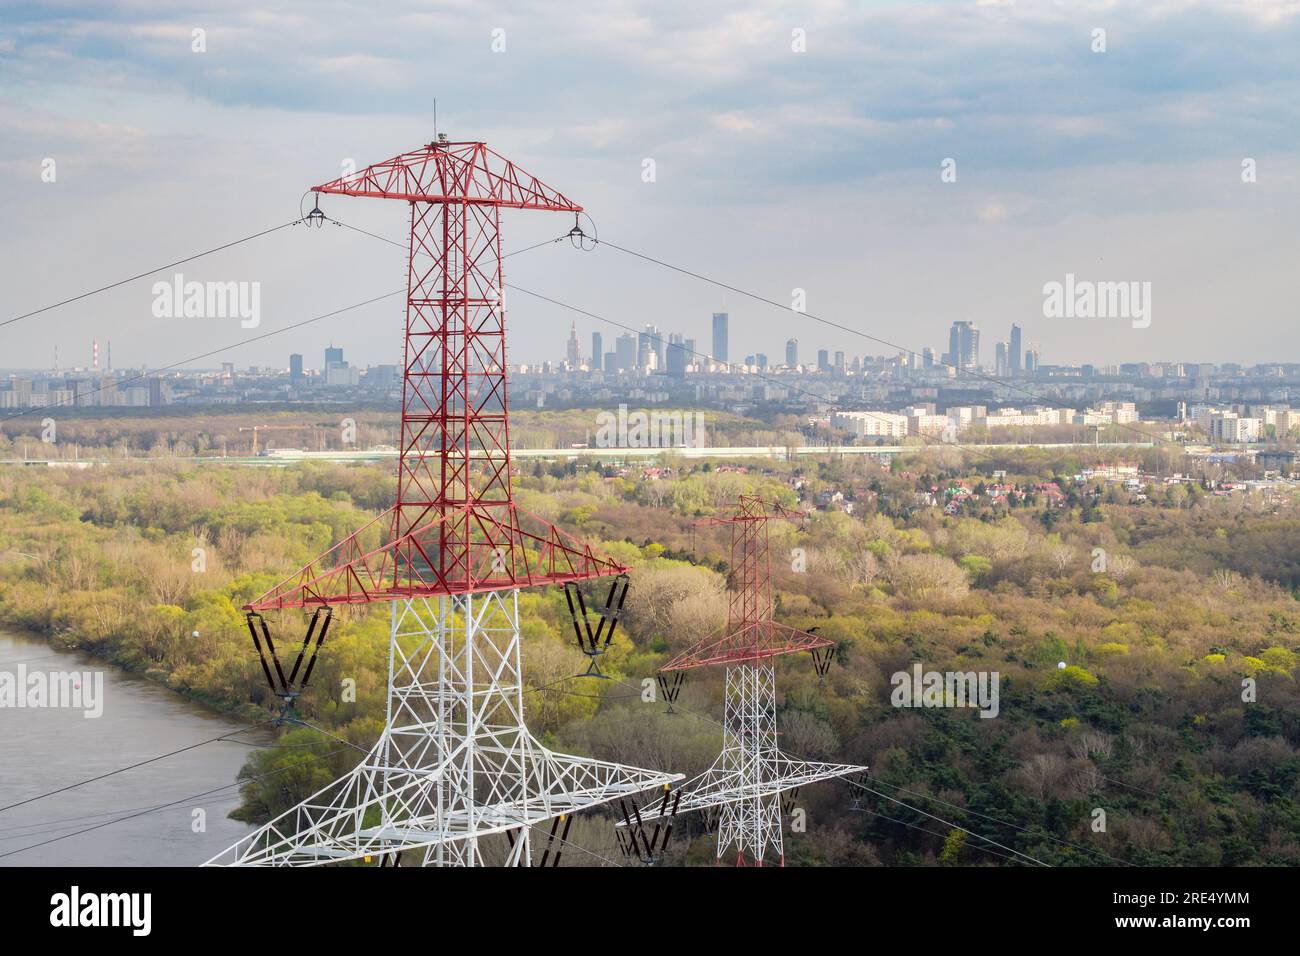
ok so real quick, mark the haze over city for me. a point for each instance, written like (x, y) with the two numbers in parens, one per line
(775, 169)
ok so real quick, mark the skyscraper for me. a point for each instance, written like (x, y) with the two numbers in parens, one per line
(597, 350)
(1015, 356)
(573, 351)
(650, 348)
(791, 352)
(1000, 362)
(823, 360)
(295, 367)
(333, 356)
(964, 345)
(625, 349)
(720, 336)
(676, 359)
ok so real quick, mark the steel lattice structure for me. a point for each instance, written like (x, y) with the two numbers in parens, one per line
(455, 762)
(745, 783)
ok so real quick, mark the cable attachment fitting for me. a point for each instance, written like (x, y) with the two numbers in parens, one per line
(289, 688)
(595, 643)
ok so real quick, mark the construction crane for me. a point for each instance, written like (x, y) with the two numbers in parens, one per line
(455, 763)
(744, 786)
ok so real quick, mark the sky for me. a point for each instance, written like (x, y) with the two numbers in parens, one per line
(794, 145)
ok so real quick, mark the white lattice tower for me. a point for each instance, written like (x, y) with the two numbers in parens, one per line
(751, 824)
(455, 764)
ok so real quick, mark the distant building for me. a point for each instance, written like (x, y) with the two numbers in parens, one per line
(791, 352)
(871, 424)
(597, 350)
(295, 368)
(573, 351)
(333, 356)
(676, 358)
(1015, 357)
(964, 346)
(823, 360)
(625, 350)
(720, 336)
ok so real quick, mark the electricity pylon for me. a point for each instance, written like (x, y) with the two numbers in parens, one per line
(455, 762)
(746, 781)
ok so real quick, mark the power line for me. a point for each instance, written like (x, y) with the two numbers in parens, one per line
(1077, 846)
(519, 820)
(926, 441)
(955, 826)
(141, 275)
(163, 806)
(208, 354)
(102, 776)
(974, 373)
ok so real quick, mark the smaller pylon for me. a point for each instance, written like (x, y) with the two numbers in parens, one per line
(745, 784)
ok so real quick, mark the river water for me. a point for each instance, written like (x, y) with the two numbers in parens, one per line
(47, 748)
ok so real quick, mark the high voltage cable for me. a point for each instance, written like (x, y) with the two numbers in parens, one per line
(208, 354)
(955, 826)
(1077, 846)
(973, 373)
(627, 328)
(248, 341)
(141, 275)
(164, 806)
(102, 776)
(938, 833)
(37, 827)
(926, 441)
(519, 820)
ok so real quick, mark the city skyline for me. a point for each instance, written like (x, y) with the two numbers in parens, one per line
(1061, 165)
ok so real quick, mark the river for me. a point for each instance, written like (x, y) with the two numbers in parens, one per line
(48, 748)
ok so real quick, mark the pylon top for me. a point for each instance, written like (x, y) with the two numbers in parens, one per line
(455, 527)
(442, 172)
(750, 634)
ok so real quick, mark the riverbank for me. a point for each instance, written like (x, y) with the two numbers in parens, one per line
(168, 812)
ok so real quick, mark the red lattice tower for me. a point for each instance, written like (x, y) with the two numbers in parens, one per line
(455, 528)
(750, 634)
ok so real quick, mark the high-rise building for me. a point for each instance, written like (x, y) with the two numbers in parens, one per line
(927, 358)
(650, 348)
(720, 336)
(964, 345)
(1015, 356)
(573, 351)
(823, 360)
(676, 358)
(597, 350)
(295, 367)
(1000, 362)
(333, 357)
(761, 361)
(625, 349)
(840, 363)
(791, 352)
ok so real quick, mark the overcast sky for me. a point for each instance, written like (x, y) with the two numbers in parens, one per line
(774, 169)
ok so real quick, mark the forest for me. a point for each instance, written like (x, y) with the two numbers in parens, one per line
(1146, 643)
